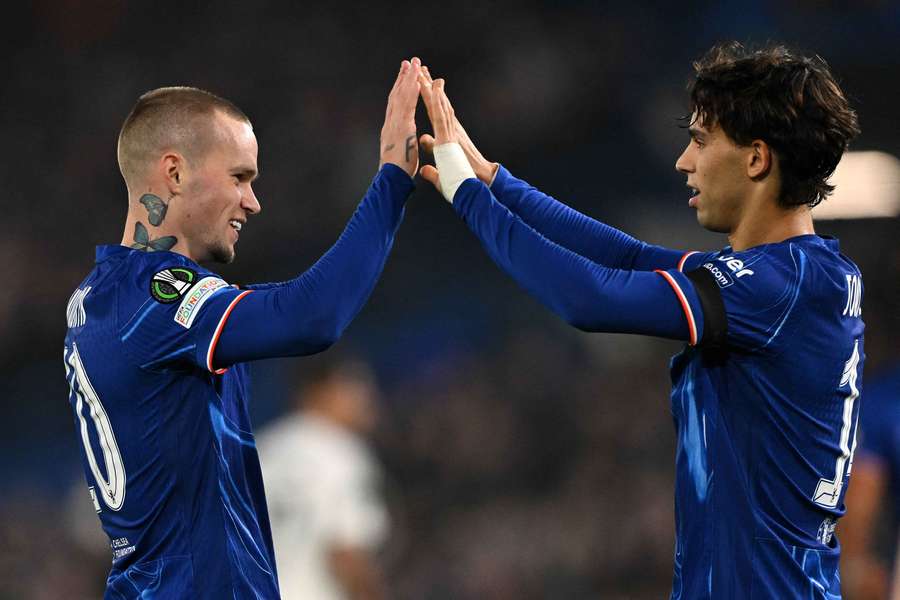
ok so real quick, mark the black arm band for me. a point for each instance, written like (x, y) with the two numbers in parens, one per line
(715, 325)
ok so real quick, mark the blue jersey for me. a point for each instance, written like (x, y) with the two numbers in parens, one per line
(765, 396)
(155, 358)
(766, 419)
(166, 440)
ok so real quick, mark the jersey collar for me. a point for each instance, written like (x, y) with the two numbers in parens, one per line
(828, 241)
(110, 250)
(117, 250)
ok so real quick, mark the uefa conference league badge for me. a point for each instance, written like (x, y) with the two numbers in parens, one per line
(169, 285)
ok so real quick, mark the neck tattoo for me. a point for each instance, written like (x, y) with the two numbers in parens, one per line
(143, 242)
(156, 208)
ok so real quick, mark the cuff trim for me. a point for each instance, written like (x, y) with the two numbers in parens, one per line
(215, 338)
(685, 305)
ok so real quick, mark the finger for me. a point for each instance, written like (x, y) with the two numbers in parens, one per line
(409, 87)
(443, 110)
(425, 84)
(445, 105)
(404, 68)
(441, 91)
(407, 92)
(426, 90)
(426, 142)
(413, 81)
(426, 73)
(430, 174)
(412, 73)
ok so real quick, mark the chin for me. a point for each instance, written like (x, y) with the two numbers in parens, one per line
(710, 225)
(222, 254)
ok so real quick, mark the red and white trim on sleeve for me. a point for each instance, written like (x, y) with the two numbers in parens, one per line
(218, 332)
(685, 305)
(684, 258)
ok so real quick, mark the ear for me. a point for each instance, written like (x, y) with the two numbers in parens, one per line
(173, 168)
(759, 159)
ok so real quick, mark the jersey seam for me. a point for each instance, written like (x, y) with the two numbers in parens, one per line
(787, 323)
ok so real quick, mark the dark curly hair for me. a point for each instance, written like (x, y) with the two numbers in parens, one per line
(789, 101)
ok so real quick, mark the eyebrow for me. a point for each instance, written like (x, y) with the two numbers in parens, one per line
(696, 132)
(246, 172)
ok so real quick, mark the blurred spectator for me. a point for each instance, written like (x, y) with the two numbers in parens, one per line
(874, 489)
(321, 482)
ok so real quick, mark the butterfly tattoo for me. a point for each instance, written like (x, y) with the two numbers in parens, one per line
(143, 242)
(156, 207)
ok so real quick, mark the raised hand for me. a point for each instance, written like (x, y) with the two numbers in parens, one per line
(398, 135)
(484, 169)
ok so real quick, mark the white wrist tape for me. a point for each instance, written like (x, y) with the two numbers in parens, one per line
(453, 168)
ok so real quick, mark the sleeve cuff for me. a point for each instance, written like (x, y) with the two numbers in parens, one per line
(501, 179)
(210, 353)
(465, 194)
(682, 264)
(395, 175)
(690, 303)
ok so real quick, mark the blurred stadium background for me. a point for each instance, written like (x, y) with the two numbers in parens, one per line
(524, 459)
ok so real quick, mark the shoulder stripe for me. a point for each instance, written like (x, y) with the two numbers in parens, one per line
(218, 332)
(692, 324)
(684, 258)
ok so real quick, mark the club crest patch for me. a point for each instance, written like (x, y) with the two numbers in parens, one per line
(169, 285)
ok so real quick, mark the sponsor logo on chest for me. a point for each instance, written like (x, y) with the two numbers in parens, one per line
(723, 272)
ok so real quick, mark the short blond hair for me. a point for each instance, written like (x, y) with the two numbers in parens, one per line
(178, 118)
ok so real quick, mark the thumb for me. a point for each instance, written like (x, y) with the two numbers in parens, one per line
(426, 142)
(430, 174)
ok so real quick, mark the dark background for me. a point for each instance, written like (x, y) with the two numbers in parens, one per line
(525, 459)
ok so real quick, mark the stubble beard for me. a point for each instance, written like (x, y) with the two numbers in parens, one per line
(221, 253)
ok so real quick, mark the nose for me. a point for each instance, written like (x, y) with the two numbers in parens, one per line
(249, 202)
(685, 163)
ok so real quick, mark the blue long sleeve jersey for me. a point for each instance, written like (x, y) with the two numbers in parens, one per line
(764, 394)
(155, 359)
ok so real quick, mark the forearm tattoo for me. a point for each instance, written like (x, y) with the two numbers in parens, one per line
(389, 147)
(410, 145)
(143, 242)
(155, 207)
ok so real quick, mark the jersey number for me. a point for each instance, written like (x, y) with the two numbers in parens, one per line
(113, 484)
(828, 492)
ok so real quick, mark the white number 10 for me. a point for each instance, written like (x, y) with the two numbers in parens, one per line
(113, 485)
(828, 492)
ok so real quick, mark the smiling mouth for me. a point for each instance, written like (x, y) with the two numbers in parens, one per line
(236, 224)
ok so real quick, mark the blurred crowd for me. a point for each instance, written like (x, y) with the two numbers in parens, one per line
(522, 459)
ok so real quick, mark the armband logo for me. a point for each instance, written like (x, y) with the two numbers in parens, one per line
(169, 285)
(199, 294)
